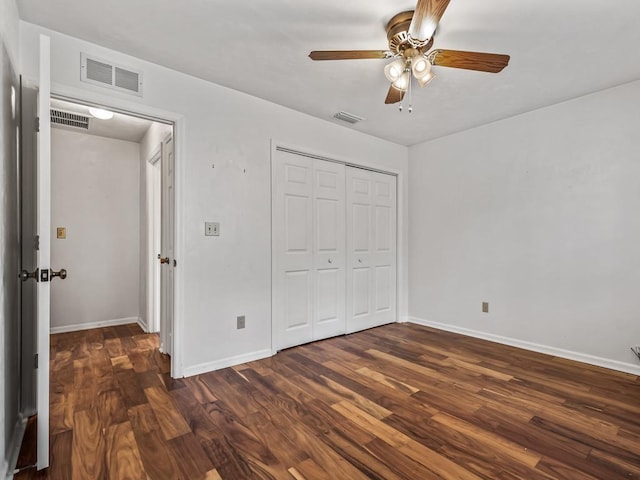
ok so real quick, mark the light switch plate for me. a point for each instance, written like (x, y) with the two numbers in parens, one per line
(211, 229)
(61, 232)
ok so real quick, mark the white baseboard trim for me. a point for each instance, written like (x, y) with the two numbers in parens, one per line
(89, 326)
(226, 362)
(13, 449)
(535, 347)
(143, 325)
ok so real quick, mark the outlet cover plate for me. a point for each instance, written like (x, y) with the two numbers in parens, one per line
(211, 229)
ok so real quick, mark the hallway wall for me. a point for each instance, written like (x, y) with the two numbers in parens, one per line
(96, 197)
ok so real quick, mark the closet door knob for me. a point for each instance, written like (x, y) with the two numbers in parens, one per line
(359, 260)
(330, 261)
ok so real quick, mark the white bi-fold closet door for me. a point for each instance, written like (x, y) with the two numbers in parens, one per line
(309, 249)
(371, 249)
(334, 249)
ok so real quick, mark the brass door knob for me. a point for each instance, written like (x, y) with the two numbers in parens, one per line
(24, 275)
(164, 259)
(62, 273)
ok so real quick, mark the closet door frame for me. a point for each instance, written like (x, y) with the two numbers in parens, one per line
(401, 265)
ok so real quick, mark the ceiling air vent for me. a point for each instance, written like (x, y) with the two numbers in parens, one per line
(69, 119)
(98, 71)
(348, 117)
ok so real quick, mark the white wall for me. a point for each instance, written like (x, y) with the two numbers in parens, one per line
(9, 248)
(96, 197)
(221, 277)
(538, 215)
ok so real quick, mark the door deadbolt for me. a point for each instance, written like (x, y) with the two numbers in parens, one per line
(164, 259)
(62, 273)
(24, 275)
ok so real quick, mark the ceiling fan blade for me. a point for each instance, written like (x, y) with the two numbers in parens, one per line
(394, 95)
(483, 62)
(425, 18)
(348, 54)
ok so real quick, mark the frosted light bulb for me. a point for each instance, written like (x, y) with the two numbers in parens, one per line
(402, 83)
(394, 70)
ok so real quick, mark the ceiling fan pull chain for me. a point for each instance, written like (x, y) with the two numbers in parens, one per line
(410, 100)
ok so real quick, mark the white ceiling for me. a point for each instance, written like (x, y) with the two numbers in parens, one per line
(120, 127)
(560, 49)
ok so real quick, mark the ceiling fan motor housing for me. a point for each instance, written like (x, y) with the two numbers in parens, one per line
(398, 35)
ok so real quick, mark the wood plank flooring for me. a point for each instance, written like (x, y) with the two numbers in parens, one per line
(395, 402)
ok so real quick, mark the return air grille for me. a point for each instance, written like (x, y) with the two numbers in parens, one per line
(126, 79)
(69, 119)
(117, 77)
(348, 117)
(99, 72)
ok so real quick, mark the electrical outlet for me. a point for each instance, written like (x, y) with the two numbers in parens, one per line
(485, 307)
(241, 321)
(211, 229)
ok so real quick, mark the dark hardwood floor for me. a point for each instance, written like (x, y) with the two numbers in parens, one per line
(395, 402)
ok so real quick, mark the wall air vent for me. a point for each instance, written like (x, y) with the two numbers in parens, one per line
(101, 72)
(348, 117)
(69, 119)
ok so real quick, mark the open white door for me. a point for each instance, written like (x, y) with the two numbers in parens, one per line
(44, 251)
(167, 260)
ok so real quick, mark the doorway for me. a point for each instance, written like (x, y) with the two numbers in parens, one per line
(107, 226)
(99, 229)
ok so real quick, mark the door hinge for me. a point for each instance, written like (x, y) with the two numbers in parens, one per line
(36, 360)
(37, 124)
(37, 242)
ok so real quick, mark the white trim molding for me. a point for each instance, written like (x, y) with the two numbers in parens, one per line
(104, 323)
(535, 347)
(13, 449)
(143, 325)
(226, 362)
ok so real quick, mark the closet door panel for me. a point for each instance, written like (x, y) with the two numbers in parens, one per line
(293, 249)
(383, 288)
(384, 239)
(329, 249)
(371, 249)
(360, 289)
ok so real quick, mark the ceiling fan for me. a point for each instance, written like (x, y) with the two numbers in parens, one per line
(410, 35)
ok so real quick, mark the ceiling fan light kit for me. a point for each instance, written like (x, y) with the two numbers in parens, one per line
(410, 35)
(394, 70)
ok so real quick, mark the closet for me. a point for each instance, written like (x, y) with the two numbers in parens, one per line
(333, 251)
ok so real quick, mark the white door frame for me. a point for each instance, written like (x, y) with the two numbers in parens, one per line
(43, 160)
(401, 282)
(131, 107)
(154, 192)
